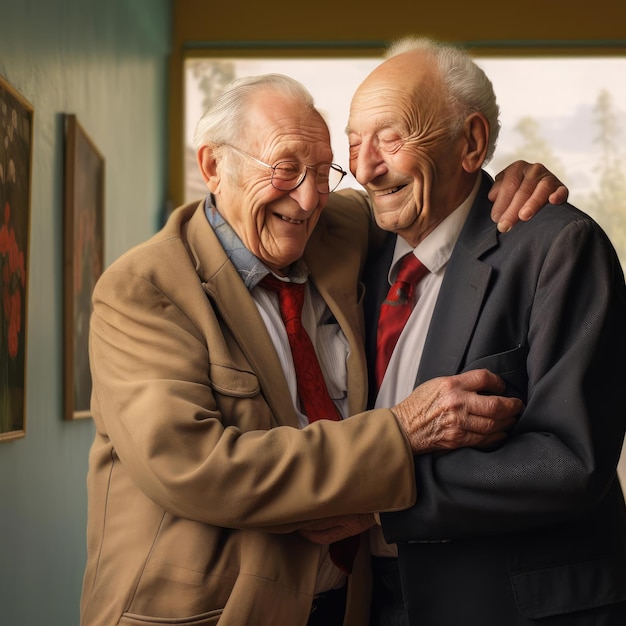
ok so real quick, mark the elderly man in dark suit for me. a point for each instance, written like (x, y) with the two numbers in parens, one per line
(533, 530)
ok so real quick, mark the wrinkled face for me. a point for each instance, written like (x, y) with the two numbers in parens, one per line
(274, 225)
(400, 147)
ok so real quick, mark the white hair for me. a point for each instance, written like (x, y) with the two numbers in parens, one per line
(469, 90)
(224, 121)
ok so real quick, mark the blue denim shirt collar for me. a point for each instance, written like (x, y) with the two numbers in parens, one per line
(251, 269)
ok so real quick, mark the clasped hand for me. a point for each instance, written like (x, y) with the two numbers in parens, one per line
(332, 529)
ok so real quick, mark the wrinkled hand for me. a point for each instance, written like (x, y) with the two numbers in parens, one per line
(521, 190)
(332, 529)
(449, 412)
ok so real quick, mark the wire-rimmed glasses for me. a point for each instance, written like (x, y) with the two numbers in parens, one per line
(288, 175)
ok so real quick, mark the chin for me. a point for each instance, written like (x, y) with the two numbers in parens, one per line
(390, 220)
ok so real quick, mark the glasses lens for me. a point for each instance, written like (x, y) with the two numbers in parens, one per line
(287, 175)
(335, 176)
(322, 181)
(327, 177)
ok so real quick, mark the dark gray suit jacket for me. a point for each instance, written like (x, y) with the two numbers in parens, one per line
(537, 527)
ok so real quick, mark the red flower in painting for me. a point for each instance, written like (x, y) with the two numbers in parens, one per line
(13, 280)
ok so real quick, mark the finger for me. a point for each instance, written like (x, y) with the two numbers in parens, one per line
(476, 431)
(504, 196)
(469, 440)
(457, 431)
(488, 441)
(560, 195)
(514, 186)
(524, 203)
(481, 380)
(531, 197)
(548, 189)
(498, 408)
(521, 190)
(481, 425)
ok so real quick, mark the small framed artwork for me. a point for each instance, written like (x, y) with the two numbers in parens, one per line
(83, 260)
(16, 149)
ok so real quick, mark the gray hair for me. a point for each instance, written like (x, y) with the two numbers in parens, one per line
(469, 89)
(224, 121)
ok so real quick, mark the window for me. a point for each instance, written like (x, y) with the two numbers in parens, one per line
(567, 113)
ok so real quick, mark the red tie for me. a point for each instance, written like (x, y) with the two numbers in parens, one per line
(396, 310)
(315, 400)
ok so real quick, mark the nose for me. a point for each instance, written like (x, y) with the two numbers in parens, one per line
(306, 193)
(366, 163)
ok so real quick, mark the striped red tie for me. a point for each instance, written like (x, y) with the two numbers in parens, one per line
(396, 310)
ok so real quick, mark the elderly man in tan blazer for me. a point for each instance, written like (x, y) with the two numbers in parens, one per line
(203, 465)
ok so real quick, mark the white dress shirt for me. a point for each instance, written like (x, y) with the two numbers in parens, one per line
(399, 381)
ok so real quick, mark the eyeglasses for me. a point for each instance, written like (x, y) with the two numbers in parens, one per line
(288, 175)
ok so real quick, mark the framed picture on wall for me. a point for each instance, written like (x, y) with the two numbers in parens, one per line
(16, 146)
(83, 260)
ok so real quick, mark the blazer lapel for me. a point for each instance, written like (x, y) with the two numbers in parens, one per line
(230, 297)
(462, 293)
(339, 291)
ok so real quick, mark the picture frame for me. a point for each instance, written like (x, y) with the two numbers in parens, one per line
(16, 157)
(83, 244)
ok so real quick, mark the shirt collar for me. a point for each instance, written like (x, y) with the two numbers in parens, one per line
(435, 250)
(251, 269)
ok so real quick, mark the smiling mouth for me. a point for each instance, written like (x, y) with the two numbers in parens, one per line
(290, 220)
(387, 192)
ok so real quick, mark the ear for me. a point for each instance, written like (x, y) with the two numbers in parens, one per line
(476, 134)
(208, 167)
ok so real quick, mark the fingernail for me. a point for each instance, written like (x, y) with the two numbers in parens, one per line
(525, 214)
(504, 227)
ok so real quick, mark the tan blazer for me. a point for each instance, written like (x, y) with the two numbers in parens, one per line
(193, 491)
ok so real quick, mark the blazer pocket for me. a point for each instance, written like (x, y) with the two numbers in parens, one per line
(233, 382)
(238, 398)
(569, 588)
(510, 366)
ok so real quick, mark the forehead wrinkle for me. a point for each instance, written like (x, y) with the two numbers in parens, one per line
(301, 150)
(275, 118)
(378, 118)
(409, 83)
(384, 103)
(294, 139)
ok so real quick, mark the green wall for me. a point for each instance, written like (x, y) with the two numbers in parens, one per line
(107, 63)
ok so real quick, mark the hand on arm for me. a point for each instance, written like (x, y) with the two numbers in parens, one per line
(521, 190)
(453, 412)
(441, 414)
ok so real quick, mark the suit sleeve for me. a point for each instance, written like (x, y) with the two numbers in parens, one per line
(561, 458)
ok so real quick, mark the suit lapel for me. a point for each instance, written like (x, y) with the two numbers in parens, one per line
(462, 293)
